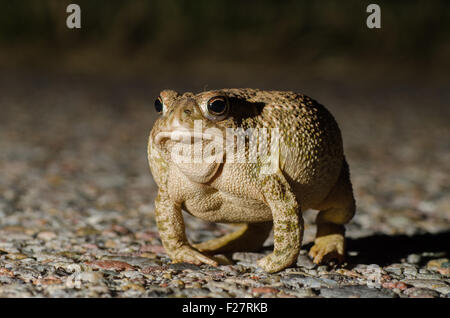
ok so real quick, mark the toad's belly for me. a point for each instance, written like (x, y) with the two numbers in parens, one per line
(227, 208)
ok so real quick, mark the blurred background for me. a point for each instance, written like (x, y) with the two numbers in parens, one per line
(160, 39)
(76, 105)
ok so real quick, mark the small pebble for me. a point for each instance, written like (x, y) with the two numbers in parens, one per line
(414, 258)
(16, 256)
(46, 236)
(167, 275)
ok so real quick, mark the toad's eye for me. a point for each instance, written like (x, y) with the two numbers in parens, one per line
(217, 106)
(159, 105)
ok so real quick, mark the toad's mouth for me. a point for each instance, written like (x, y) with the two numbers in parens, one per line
(197, 154)
(201, 147)
(184, 136)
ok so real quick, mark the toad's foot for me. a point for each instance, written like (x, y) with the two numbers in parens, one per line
(274, 263)
(327, 248)
(187, 254)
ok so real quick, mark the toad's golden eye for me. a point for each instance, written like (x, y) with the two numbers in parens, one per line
(159, 105)
(217, 106)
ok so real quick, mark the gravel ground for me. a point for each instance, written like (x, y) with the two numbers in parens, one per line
(77, 213)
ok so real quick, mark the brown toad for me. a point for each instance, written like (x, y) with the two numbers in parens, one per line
(306, 169)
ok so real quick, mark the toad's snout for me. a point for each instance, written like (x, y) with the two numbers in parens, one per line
(184, 125)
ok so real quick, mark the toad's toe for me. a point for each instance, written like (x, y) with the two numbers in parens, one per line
(327, 248)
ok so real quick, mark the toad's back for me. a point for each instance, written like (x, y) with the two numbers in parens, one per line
(311, 151)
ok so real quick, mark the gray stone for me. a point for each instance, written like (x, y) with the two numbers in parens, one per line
(421, 293)
(410, 271)
(9, 280)
(305, 261)
(432, 284)
(373, 267)
(196, 292)
(428, 276)
(298, 280)
(250, 258)
(158, 292)
(15, 290)
(140, 262)
(77, 279)
(184, 266)
(414, 258)
(394, 269)
(26, 274)
(299, 292)
(322, 268)
(355, 292)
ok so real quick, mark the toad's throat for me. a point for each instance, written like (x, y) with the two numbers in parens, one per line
(199, 172)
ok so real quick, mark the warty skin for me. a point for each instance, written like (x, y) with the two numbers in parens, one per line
(312, 173)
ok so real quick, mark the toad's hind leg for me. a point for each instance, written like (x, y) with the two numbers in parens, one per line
(337, 210)
(249, 237)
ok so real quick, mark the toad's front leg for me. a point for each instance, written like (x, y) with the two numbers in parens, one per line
(170, 223)
(287, 224)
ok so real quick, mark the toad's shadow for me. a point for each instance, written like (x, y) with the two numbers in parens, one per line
(384, 249)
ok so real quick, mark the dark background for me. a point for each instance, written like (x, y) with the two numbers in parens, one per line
(160, 39)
